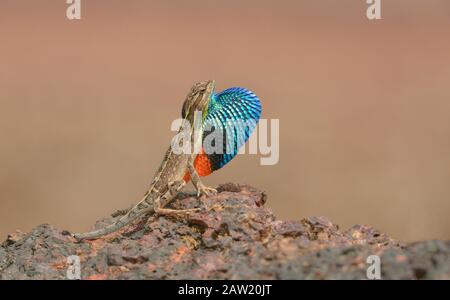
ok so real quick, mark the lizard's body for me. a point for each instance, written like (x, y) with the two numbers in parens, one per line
(177, 169)
(169, 179)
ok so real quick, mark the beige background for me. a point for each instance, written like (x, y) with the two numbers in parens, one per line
(364, 107)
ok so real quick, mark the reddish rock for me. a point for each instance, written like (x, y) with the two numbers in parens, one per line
(235, 237)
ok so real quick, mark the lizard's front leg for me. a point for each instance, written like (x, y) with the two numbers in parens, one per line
(161, 201)
(199, 186)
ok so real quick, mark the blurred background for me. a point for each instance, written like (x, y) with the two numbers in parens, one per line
(364, 106)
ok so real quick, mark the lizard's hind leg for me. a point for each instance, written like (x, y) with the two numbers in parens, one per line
(160, 202)
(199, 186)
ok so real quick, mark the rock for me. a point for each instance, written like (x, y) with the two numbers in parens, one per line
(235, 238)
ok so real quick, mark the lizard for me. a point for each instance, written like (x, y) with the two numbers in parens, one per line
(177, 169)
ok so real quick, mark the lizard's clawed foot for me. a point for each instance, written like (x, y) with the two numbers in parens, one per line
(205, 190)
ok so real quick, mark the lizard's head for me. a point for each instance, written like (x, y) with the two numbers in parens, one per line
(198, 99)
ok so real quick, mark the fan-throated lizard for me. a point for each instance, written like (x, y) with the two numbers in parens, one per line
(216, 111)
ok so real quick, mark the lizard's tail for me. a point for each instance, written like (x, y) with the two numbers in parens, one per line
(137, 211)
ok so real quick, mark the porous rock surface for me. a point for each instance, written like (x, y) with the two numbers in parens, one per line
(234, 237)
